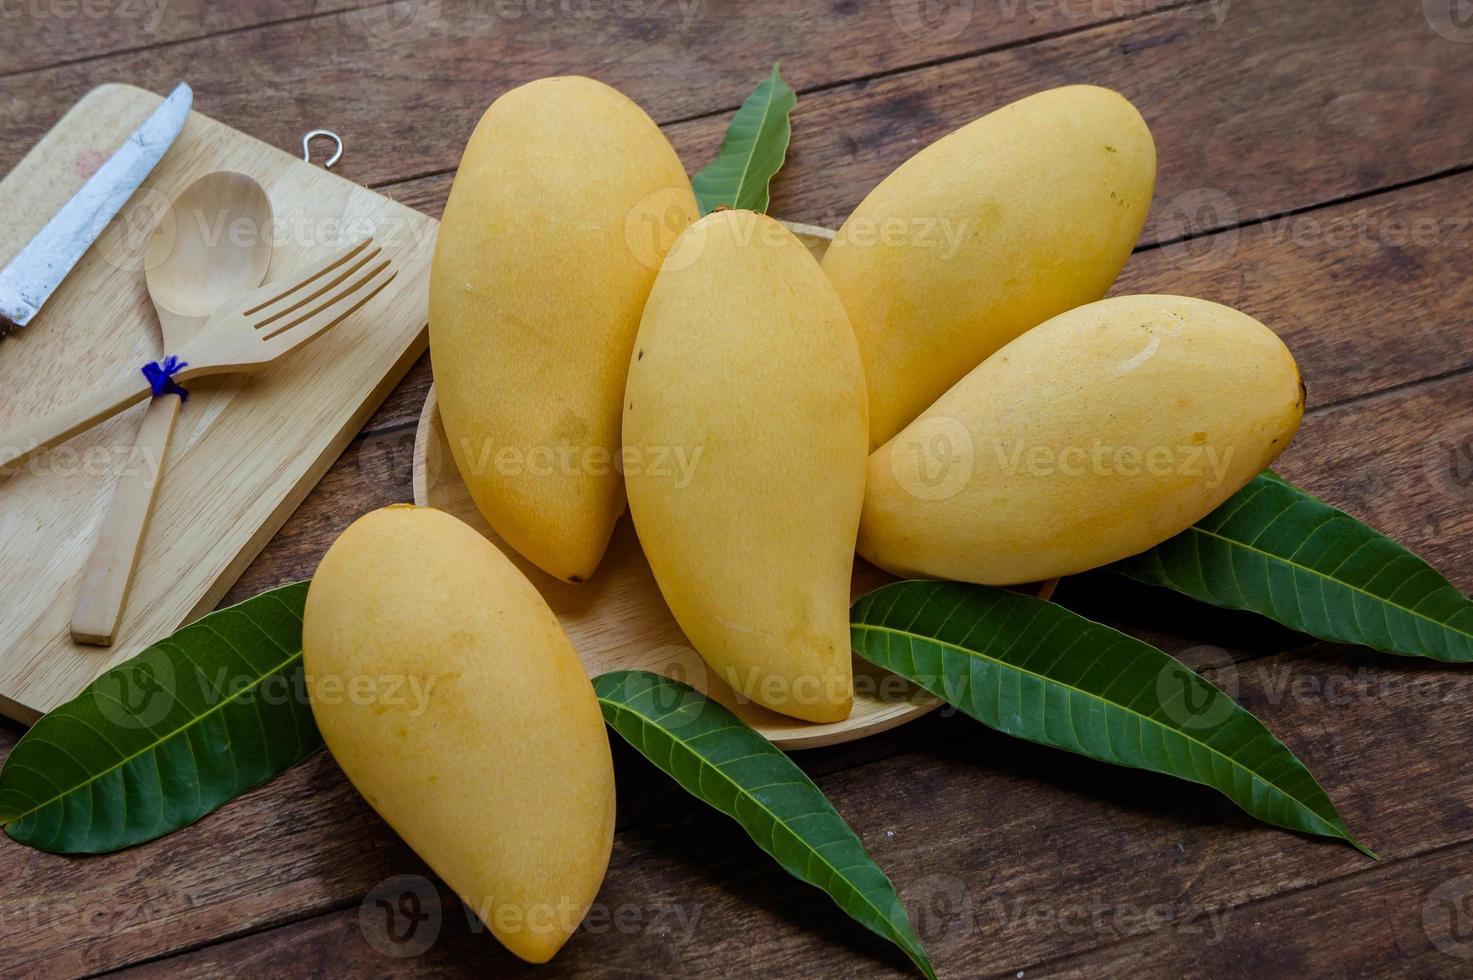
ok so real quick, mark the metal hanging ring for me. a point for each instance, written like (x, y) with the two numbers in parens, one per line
(337, 140)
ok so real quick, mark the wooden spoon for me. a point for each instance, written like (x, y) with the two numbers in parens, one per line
(212, 246)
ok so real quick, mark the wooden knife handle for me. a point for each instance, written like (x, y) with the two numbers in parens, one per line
(19, 445)
(109, 571)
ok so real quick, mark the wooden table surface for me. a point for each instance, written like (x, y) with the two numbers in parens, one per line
(1314, 171)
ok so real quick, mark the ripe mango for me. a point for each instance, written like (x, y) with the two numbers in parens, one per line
(1012, 219)
(1092, 437)
(452, 699)
(744, 442)
(566, 200)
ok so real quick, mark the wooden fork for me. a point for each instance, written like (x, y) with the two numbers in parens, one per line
(244, 336)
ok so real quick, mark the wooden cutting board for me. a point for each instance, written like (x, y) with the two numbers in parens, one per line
(245, 451)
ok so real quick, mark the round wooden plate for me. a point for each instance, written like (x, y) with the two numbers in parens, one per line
(618, 620)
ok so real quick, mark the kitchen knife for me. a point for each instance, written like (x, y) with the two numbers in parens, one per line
(37, 269)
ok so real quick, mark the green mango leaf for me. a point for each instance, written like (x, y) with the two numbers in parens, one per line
(724, 763)
(1038, 671)
(1275, 550)
(168, 736)
(753, 150)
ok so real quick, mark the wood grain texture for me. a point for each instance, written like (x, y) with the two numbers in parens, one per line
(445, 60)
(1018, 856)
(1395, 921)
(1299, 272)
(1272, 107)
(70, 32)
(1337, 105)
(245, 452)
(1308, 276)
(102, 594)
(1279, 107)
(1056, 830)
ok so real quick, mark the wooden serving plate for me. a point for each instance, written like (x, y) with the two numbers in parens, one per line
(619, 621)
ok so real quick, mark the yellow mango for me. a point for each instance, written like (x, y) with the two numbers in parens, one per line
(566, 200)
(452, 699)
(1012, 219)
(1092, 437)
(744, 442)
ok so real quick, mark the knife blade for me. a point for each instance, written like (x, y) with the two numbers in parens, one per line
(29, 278)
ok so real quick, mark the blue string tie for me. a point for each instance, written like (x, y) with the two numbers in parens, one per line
(160, 375)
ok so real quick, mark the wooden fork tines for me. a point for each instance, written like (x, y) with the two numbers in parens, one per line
(245, 336)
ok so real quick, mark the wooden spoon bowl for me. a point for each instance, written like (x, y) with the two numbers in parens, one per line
(618, 620)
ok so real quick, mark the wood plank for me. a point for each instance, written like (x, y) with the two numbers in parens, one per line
(1058, 829)
(434, 65)
(1351, 288)
(828, 172)
(57, 32)
(1384, 922)
(848, 137)
(1008, 854)
(1321, 94)
(1276, 107)
(303, 844)
(1302, 273)
(1306, 275)
(191, 890)
(1304, 133)
(1395, 921)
